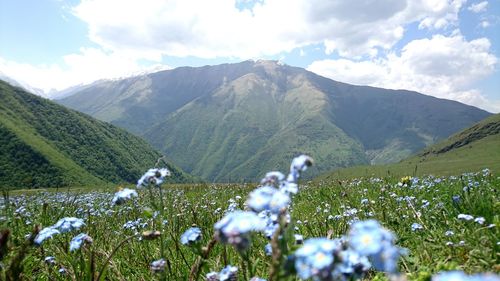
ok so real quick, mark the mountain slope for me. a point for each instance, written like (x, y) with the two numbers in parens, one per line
(227, 122)
(138, 102)
(22, 85)
(251, 126)
(43, 144)
(489, 127)
(472, 149)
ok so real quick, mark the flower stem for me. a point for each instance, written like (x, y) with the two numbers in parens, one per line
(162, 211)
(276, 255)
(105, 264)
(196, 268)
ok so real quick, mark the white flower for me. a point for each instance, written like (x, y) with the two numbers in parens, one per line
(479, 220)
(153, 176)
(465, 217)
(124, 195)
(44, 234)
(78, 240)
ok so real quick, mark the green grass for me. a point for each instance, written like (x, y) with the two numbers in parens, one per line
(315, 207)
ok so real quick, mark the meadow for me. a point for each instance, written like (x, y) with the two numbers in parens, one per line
(439, 224)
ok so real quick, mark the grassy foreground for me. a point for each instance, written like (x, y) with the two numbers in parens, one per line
(319, 210)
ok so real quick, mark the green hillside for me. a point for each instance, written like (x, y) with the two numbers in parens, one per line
(43, 144)
(223, 122)
(472, 149)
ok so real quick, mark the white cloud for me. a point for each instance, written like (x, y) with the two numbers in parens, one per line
(485, 24)
(89, 65)
(438, 14)
(219, 28)
(478, 7)
(444, 67)
(128, 31)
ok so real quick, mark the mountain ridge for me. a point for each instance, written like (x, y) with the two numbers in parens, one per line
(220, 122)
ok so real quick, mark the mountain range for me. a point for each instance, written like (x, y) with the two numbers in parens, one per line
(43, 144)
(234, 122)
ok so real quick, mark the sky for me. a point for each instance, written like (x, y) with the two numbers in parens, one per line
(444, 48)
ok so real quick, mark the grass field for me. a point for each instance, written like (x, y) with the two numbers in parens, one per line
(320, 209)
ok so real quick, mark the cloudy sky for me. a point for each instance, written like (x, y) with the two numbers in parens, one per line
(445, 48)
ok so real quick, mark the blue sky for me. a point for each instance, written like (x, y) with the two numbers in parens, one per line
(445, 48)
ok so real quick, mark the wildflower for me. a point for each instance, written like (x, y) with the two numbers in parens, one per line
(231, 207)
(255, 278)
(270, 229)
(369, 238)
(449, 243)
(352, 264)
(62, 271)
(289, 187)
(234, 228)
(299, 239)
(465, 217)
(299, 164)
(268, 249)
(315, 258)
(212, 276)
(134, 224)
(387, 259)
(68, 224)
(415, 226)
(449, 233)
(455, 199)
(191, 236)
(272, 178)
(364, 201)
(124, 195)
(365, 237)
(479, 220)
(78, 240)
(268, 198)
(158, 265)
(228, 273)
(153, 176)
(406, 180)
(50, 260)
(44, 234)
(425, 204)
